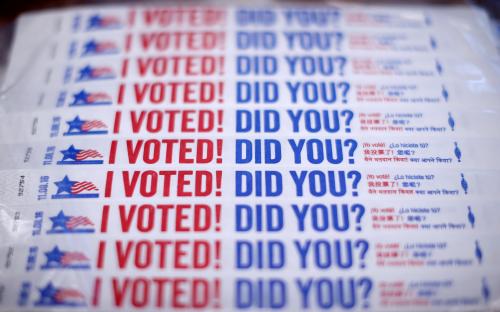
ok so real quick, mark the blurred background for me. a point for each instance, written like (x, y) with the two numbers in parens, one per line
(10, 9)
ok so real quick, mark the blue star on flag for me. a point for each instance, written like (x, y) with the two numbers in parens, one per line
(55, 255)
(59, 221)
(64, 186)
(90, 47)
(85, 72)
(47, 294)
(76, 123)
(95, 21)
(80, 97)
(70, 153)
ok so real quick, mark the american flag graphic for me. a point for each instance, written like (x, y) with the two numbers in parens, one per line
(101, 72)
(73, 155)
(71, 257)
(83, 186)
(103, 47)
(108, 21)
(93, 124)
(88, 72)
(67, 188)
(102, 22)
(58, 259)
(75, 222)
(67, 294)
(59, 296)
(93, 47)
(97, 97)
(83, 98)
(79, 126)
(90, 153)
